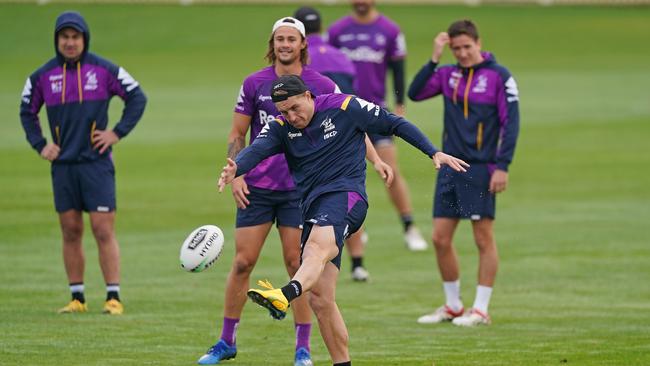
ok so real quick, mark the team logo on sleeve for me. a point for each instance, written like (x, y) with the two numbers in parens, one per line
(27, 91)
(127, 80)
(512, 90)
(264, 132)
(368, 106)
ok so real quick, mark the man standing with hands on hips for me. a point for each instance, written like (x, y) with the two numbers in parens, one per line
(76, 87)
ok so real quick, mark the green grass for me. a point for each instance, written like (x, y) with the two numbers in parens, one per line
(572, 228)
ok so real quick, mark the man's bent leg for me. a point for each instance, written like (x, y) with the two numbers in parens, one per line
(330, 321)
(319, 249)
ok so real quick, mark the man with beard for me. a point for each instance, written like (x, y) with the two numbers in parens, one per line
(375, 43)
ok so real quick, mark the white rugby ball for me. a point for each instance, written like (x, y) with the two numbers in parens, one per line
(201, 248)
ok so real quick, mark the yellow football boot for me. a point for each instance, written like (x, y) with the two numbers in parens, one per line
(74, 306)
(113, 307)
(272, 299)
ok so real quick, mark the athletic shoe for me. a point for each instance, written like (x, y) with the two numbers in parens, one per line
(74, 306)
(442, 314)
(472, 318)
(220, 351)
(414, 240)
(360, 274)
(113, 307)
(272, 299)
(303, 358)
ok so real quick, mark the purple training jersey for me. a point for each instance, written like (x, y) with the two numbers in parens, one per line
(370, 46)
(254, 100)
(325, 58)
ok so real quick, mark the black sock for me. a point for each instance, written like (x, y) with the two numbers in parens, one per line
(112, 291)
(357, 262)
(407, 221)
(292, 290)
(348, 363)
(79, 296)
(77, 291)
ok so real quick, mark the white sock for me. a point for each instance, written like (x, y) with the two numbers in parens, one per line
(482, 300)
(452, 294)
(113, 288)
(78, 287)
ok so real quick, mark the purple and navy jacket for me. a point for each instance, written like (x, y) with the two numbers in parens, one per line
(77, 95)
(331, 62)
(370, 47)
(329, 154)
(255, 101)
(481, 114)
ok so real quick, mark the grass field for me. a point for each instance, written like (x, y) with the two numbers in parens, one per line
(574, 282)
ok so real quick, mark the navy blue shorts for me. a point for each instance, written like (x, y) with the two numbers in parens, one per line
(464, 195)
(86, 186)
(282, 207)
(345, 211)
(380, 140)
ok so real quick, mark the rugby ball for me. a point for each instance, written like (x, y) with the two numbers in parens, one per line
(201, 248)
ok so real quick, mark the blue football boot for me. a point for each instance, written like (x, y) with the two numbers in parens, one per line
(303, 358)
(218, 352)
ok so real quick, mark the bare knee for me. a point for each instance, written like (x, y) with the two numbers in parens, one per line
(292, 264)
(441, 242)
(319, 303)
(72, 233)
(103, 233)
(243, 266)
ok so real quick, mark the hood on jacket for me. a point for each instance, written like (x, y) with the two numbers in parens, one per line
(74, 20)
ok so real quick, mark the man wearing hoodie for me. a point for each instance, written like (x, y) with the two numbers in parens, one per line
(481, 120)
(76, 87)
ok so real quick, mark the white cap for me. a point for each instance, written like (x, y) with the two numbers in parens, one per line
(289, 22)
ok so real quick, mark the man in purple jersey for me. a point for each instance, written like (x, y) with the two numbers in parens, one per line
(481, 120)
(334, 64)
(375, 43)
(267, 193)
(76, 87)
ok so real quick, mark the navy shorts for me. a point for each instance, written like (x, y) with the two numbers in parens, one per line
(380, 140)
(464, 195)
(345, 211)
(282, 207)
(88, 186)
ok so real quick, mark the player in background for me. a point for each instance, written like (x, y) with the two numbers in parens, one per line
(324, 142)
(76, 87)
(268, 193)
(334, 64)
(375, 43)
(481, 124)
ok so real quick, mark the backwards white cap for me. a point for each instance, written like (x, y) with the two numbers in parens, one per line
(289, 22)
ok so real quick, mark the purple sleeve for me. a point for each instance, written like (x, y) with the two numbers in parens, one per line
(30, 105)
(246, 98)
(508, 107)
(332, 36)
(397, 46)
